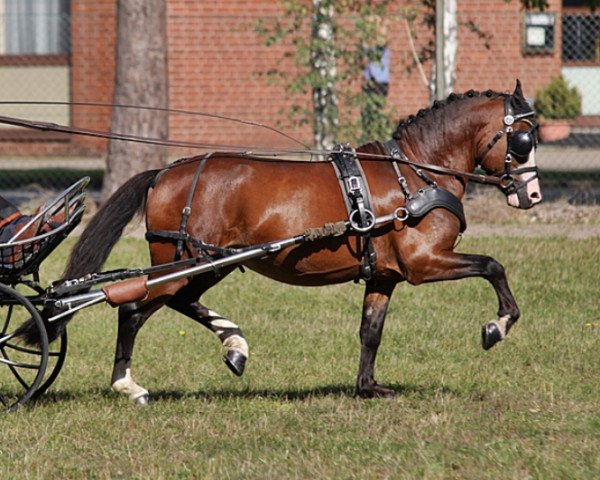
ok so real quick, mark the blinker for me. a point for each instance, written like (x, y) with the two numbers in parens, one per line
(520, 144)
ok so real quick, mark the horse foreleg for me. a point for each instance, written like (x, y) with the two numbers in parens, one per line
(375, 305)
(508, 311)
(131, 319)
(452, 266)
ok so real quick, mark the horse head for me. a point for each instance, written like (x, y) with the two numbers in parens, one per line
(494, 131)
(515, 163)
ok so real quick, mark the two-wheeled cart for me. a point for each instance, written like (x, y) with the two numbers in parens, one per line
(27, 371)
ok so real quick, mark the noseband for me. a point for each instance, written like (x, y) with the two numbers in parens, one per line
(519, 145)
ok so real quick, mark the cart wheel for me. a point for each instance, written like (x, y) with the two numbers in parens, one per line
(57, 351)
(22, 367)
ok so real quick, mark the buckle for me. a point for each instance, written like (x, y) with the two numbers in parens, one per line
(353, 184)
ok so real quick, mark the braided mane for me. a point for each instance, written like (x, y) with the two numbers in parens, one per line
(518, 102)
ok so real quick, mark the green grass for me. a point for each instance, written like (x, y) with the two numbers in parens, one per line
(528, 408)
(50, 178)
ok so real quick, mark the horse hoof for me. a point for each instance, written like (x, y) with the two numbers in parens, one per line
(490, 335)
(143, 399)
(235, 361)
(375, 392)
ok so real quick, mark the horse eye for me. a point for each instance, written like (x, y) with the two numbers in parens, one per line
(520, 145)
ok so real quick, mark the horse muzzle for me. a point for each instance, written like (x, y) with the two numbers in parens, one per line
(525, 191)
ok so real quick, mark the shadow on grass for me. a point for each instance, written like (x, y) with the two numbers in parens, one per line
(418, 392)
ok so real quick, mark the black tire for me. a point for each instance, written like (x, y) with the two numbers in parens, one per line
(22, 367)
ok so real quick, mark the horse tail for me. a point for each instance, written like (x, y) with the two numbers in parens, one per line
(95, 244)
(106, 226)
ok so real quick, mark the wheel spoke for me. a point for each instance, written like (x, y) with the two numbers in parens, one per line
(7, 320)
(11, 363)
(23, 349)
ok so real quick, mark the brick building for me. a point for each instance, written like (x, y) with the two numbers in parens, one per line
(215, 57)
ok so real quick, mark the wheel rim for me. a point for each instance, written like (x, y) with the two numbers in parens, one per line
(57, 352)
(22, 367)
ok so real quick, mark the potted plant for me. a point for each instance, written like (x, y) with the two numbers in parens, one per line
(556, 105)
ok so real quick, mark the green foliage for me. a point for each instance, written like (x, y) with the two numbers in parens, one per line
(558, 100)
(335, 86)
(355, 25)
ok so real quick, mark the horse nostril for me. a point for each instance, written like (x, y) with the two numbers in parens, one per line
(535, 195)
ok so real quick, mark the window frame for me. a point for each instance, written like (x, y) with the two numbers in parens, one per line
(594, 62)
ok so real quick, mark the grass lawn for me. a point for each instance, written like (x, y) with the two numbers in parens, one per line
(528, 408)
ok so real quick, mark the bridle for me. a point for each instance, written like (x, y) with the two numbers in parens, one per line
(519, 145)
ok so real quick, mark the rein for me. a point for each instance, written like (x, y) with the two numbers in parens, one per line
(157, 109)
(475, 177)
(241, 150)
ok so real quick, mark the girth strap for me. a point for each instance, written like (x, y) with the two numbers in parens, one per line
(357, 199)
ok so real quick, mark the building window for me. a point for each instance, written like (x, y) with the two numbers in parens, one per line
(34, 63)
(34, 27)
(581, 38)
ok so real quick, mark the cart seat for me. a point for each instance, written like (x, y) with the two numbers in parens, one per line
(20, 257)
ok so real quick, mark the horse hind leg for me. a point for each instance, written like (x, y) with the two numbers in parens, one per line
(132, 317)
(228, 332)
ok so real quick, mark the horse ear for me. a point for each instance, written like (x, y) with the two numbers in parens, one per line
(518, 91)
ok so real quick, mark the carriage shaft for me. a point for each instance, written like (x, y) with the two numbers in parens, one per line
(74, 303)
(229, 260)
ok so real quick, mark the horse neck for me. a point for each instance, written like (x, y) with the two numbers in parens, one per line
(446, 138)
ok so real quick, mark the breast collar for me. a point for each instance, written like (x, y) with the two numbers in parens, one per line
(421, 202)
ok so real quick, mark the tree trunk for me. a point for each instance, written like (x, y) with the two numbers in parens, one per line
(450, 45)
(323, 63)
(141, 79)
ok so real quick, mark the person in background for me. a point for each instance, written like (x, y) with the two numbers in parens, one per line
(377, 71)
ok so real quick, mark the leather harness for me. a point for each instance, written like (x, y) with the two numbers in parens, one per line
(424, 200)
(357, 199)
